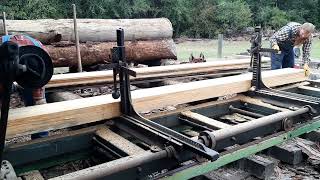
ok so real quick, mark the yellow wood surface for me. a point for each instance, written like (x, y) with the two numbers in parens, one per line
(58, 115)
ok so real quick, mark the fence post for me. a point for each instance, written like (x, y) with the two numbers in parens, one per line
(220, 44)
(4, 23)
(76, 37)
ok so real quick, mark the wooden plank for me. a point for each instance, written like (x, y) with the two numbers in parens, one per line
(119, 142)
(309, 91)
(96, 77)
(203, 120)
(308, 88)
(58, 115)
(259, 102)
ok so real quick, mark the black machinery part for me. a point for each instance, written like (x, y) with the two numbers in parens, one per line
(30, 67)
(39, 67)
(131, 116)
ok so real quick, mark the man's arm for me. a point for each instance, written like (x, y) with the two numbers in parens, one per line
(281, 35)
(306, 48)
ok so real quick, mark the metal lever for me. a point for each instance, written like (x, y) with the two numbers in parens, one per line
(115, 63)
(255, 64)
(120, 67)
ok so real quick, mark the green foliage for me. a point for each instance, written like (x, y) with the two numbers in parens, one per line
(29, 9)
(202, 16)
(233, 15)
(193, 18)
(272, 17)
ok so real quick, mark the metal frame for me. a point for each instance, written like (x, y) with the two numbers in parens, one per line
(243, 152)
(173, 147)
(159, 161)
(166, 135)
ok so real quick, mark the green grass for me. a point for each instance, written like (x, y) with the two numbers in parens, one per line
(230, 48)
(315, 52)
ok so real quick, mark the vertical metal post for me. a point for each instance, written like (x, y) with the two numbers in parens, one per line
(220, 43)
(4, 116)
(76, 37)
(4, 23)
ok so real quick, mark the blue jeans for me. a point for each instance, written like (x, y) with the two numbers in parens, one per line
(283, 60)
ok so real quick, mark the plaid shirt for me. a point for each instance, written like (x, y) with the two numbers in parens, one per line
(283, 35)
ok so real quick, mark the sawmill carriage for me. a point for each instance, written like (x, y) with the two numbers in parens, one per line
(180, 144)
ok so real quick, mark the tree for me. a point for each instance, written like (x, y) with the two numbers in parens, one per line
(202, 15)
(272, 17)
(192, 18)
(233, 15)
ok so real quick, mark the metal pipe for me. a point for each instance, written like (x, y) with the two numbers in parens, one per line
(220, 44)
(250, 125)
(103, 170)
(244, 112)
(211, 138)
(76, 35)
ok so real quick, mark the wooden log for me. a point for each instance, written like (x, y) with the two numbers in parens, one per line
(137, 51)
(95, 30)
(86, 78)
(28, 120)
(61, 96)
(45, 38)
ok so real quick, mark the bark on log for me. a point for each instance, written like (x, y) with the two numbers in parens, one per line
(95, 30)
(61, 96)
(136, 51)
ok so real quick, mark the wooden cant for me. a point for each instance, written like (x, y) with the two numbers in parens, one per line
(58, 115)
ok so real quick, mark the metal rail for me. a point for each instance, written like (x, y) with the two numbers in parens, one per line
(210, 138)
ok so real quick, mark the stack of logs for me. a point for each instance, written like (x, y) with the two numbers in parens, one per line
(146, 39)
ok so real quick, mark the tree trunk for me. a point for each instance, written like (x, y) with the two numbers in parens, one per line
(95, 53)
(95, 30)
(61, 96)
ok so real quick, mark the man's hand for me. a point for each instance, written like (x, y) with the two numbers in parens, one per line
(276, 47)
(306, 69)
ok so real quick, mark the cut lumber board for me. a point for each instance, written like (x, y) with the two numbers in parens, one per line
(58, 115)
(308, 88)
(310, 91)
(203, 120)
(96, 77)
(119, 142)
(95, 30)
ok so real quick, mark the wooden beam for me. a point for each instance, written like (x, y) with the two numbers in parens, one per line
(311, 91)
(58, 115)
(205, 121)
(308, 88)
(119, 142)
(97, 77)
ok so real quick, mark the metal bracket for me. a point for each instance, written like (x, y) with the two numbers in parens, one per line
(131, 116)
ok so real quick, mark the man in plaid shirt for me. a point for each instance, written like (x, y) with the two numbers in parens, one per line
(292, 34)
